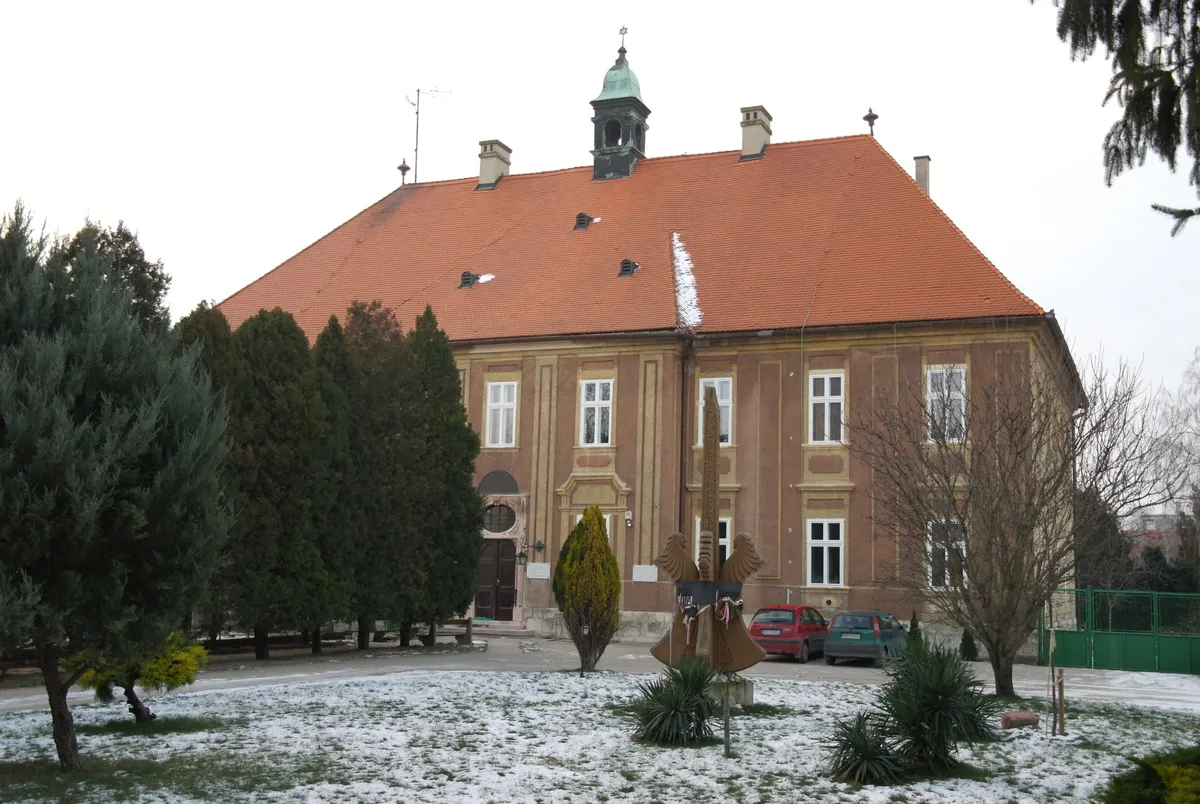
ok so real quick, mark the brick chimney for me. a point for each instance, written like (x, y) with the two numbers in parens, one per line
(756, 131)
(494, 160)
(922, 172)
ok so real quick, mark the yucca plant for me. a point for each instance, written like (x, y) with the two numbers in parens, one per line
(862, 753)
(931, 702)
(677, 708)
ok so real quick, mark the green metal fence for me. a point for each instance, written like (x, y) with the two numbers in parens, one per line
(1121, 630)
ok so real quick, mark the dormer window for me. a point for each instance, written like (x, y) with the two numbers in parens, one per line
(628, 268)
(582, 220)
(468, 280)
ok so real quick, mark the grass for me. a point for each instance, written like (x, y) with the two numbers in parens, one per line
(212, 777)
(128, 727)
(764, 710)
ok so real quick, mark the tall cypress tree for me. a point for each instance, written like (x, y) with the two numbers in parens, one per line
(335, 513)
(207, 330)
(385, 568)
(111, 445)
(276, 573)
(446, 504)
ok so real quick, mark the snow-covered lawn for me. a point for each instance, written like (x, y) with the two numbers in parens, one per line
(540, 737)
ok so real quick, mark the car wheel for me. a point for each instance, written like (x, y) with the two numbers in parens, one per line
(830, 659)
(802, 654)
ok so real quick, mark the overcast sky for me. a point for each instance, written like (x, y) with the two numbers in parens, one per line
(231, 135)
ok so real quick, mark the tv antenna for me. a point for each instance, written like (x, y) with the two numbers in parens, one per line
(417, 139)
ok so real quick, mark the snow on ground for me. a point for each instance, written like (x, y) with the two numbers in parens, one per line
(553, 737)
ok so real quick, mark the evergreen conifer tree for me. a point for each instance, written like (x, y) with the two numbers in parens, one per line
(277, 577)
(111, 446)
(335, 511)
(967, 647)
(127, 265)
(207, 330)
(587, 588)
(1152, 45)
(385, 570)
(914, 630)
(445, 500)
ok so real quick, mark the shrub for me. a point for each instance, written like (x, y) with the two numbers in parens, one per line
(176, 666)
(587, 588)
(678, 708)
(915, 637)
(967, 648)
(862, 753)
(1161, 779)
(931, 702)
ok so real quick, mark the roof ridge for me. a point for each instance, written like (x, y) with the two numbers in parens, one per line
(970, 243)
(664, 158)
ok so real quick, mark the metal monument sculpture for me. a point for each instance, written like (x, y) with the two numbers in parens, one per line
(707, 624)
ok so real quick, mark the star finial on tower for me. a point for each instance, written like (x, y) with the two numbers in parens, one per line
(624, 31)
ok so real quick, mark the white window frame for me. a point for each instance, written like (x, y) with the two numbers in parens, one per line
(932, 400)
(945, 580)
(598, 405)
(609, 523)
(503, 410)
(825, 543)
(724, 405)
(827, 399)
(726, 542)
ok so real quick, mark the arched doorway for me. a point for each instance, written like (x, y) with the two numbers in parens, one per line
(496, 595)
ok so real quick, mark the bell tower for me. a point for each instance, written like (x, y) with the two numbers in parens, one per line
(619, 121)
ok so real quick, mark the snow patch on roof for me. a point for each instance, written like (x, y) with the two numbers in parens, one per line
(687, 300)
(486, 278)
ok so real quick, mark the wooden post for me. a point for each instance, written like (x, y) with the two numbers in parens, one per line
(728, 752)
(1062, 709)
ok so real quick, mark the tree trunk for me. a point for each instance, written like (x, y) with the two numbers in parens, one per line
(406, 629)
(262, 648)
(364, 633)
(141, 713)
(1002, 671)
(60, 713)
(316, 640)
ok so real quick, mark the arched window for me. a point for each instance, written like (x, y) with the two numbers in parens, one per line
(612, 133)
(498, 518)
(498, 482)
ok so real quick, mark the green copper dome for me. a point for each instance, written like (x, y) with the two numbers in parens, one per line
(619, 81)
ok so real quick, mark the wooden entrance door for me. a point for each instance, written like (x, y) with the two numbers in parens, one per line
(497, 592)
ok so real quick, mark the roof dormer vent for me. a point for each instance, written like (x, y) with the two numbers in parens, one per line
(468, 280)
(582, 220)
(628, 268)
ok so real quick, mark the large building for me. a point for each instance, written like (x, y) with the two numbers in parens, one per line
(589, 307)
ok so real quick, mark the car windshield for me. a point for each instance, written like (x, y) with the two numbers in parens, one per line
(775, 616)
(848, 621)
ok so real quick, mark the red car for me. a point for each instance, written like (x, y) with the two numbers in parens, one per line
(796, 631)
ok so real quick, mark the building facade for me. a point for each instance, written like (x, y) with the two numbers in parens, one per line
(590, 307)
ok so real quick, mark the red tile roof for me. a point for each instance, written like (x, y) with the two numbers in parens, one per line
(823, 232)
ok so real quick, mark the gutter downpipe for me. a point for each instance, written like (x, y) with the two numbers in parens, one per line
(689, 349)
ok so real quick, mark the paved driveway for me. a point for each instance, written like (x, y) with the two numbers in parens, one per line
(506, 654)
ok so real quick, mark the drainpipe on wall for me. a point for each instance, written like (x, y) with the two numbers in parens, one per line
(689, 348)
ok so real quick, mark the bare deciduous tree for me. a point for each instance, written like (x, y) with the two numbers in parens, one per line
(974, 482)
